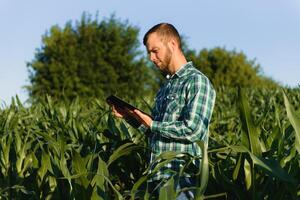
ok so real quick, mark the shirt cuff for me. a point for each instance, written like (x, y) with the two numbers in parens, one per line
(154, 127)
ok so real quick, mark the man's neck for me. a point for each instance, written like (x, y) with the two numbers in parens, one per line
(177, 64)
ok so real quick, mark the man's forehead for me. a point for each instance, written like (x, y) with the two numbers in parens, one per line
(154, 36)
(154, 41)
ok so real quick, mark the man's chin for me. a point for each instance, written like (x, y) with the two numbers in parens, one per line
(161, 68)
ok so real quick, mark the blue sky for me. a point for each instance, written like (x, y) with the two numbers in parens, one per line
(265, 30)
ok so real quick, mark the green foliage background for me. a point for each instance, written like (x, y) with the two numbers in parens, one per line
(93, 58)
(229, 68)
(89, 59)
(78, 150)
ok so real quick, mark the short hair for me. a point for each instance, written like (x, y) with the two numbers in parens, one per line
(165, 30)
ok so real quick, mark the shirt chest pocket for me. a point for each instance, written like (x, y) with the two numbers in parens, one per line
(173, 103)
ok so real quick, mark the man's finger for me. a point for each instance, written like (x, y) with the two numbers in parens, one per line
(116, 112)
(137, 111)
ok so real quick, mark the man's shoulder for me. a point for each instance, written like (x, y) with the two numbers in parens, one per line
(196, 75)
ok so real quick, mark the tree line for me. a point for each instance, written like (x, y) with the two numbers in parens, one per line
(94, 58)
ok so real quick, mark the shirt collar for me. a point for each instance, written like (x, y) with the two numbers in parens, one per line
(182, 71)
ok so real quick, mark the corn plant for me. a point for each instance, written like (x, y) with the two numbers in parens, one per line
(54, 150)
(262, 162)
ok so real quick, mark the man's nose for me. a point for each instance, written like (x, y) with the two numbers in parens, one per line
(152, 56)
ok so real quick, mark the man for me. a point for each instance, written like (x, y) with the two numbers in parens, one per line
(183, 106)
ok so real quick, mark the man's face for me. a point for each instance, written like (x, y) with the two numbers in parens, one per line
(159, 52)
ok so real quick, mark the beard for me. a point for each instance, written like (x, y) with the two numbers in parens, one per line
(165, 62)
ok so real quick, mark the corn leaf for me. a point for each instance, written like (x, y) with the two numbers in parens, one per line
(167, 191)
(250, 132)
(294, 119)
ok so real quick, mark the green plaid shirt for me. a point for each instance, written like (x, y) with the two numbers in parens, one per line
(181, 116)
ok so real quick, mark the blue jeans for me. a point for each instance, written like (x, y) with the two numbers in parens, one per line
(186, 182)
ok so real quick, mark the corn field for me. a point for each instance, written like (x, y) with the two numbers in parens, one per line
(80, 151)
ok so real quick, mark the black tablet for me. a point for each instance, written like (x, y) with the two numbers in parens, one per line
(127, 110)
(117, 102)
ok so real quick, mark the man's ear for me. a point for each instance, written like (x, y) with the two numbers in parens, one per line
(173, 44)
